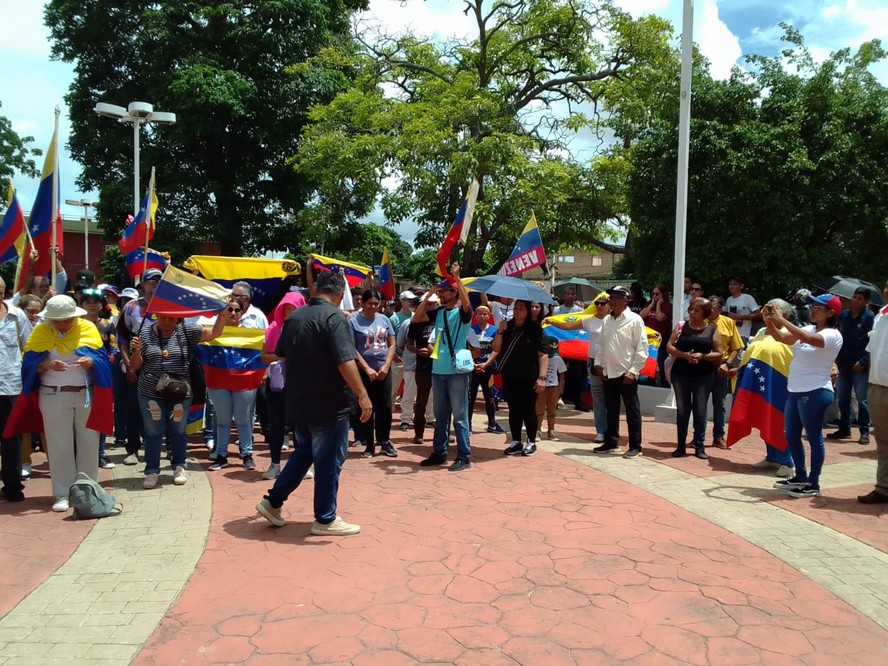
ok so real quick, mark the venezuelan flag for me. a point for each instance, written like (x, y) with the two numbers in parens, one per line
(232, 361)
(354, 274)
(263, 275)
(194, 425)
(386, 279)
(528, 253)
(140, 230)
(459, 230)
(83, 338)
(654, 341)
(181, 294)
(136, 265)
(761, 392)
(12, 230)
(46, 209)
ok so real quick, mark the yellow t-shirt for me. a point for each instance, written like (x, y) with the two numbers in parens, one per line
(730, 336)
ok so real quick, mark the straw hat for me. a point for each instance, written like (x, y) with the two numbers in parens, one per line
(61, 307)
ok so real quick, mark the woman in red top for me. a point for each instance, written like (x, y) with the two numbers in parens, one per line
(658, 316)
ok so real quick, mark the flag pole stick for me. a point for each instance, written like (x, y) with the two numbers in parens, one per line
(149, 221)
(55, 199)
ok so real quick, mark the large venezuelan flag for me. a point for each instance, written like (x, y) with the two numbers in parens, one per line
(136, 264)
(761, 392)
(232, 361)
(12, 230)
(25, 415)
(458, 231)
(354, 274)
(46, 209)
(528, 253)
(263, 275)
(181, 294)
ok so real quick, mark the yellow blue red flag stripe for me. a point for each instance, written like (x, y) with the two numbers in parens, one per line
(233, 360)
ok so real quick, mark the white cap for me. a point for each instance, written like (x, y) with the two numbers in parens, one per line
(407, 295)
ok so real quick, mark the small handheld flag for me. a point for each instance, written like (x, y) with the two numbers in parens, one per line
(528, 252)
(386, 279)
(138, 261)
(12, 230)
(354, 274)
(181, 294)
(459, 231)
(141, 230)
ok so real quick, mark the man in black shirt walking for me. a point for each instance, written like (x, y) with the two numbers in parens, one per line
(322, 381)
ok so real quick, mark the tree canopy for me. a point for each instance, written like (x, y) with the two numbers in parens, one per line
(787, 174)
(15, 155)
(222, 67)
(421, 118)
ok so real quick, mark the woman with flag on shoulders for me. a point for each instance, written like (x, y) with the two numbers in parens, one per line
(275, 384)
(161, 355)
(66, 385)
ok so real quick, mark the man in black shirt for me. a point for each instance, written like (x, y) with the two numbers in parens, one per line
(418, 343)
(322, 382)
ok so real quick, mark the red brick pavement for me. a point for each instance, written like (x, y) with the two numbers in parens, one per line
(515, 561)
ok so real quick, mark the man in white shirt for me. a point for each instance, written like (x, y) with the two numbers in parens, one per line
(622, 353)
(252, 317)
(877, 394)
(13, 336)
(742, 308)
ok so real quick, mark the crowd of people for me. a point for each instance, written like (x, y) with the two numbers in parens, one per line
(93, 369)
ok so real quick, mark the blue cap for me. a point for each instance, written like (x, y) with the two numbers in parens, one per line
(151, 273)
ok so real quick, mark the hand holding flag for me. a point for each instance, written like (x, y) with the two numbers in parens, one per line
(459, 231)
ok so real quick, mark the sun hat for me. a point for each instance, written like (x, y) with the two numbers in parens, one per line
(61, 307)
(129, 292)
(829, 300)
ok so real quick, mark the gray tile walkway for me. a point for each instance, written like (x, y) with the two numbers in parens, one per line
(109, 597)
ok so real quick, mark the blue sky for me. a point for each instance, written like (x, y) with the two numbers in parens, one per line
(724, 29)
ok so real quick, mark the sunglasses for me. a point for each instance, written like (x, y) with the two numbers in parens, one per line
(234, 310)
(601, 303)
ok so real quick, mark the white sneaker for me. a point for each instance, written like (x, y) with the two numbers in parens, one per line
(150, 481)
(131, 459)
(271, 514)
(210, 444)
(309, 474)
(26, 471)
(785, 472)
(271, 473)
(337, 528)
(61, 505)
(179, 476)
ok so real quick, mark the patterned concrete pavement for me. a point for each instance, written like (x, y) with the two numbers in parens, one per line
(562, 558)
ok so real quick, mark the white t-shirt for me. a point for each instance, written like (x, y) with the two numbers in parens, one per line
(563, 309)
(556, 365)
(744, 304)
(592, 326)
(811, 366)
(500, 312)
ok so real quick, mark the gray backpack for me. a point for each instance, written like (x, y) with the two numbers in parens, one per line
(90, 500)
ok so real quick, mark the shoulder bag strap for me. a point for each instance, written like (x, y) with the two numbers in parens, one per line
(505, 357)
(449, 338)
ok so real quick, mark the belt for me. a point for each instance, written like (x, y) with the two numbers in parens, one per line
(65, 389)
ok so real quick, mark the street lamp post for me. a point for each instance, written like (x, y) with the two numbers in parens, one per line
(137, 113)
(86, 203)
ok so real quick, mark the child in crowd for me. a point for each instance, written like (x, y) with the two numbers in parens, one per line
(547, 401)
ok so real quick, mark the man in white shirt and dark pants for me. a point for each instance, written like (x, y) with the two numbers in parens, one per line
(622, 353)
(877, 394)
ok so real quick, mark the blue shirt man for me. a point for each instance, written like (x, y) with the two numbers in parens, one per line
(449, 388)
(853, 364)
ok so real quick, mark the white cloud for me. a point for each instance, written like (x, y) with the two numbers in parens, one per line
(715, 39)
(425, 18)
(22, 33)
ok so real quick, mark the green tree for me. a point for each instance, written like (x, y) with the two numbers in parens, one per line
(15, 155)
(421, 267)
(787, 174)
(501, 106)
(222, 67)
(114, 267)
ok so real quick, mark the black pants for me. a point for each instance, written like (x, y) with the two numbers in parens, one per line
(482, 380)
(276, 407)
(262, 414)
(573, 382)
(614, 391)
(522, 400)
(380, 422)
(10, 454)
(423, 390)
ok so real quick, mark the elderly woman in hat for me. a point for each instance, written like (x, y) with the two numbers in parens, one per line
(66, 385)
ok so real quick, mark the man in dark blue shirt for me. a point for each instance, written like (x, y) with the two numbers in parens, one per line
(853, 364)
(322, 382)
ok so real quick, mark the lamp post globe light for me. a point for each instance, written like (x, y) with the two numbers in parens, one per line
(137, 113)
(86, 203)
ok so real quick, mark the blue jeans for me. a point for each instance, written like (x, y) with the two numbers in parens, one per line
(691, 396)
(599, 409)
(156, 428)
(325, 446)
(847, 380)
(451, 399)
(239, 405)
(209, 429)
(719, 394)
(806, 410)
(775, 455)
